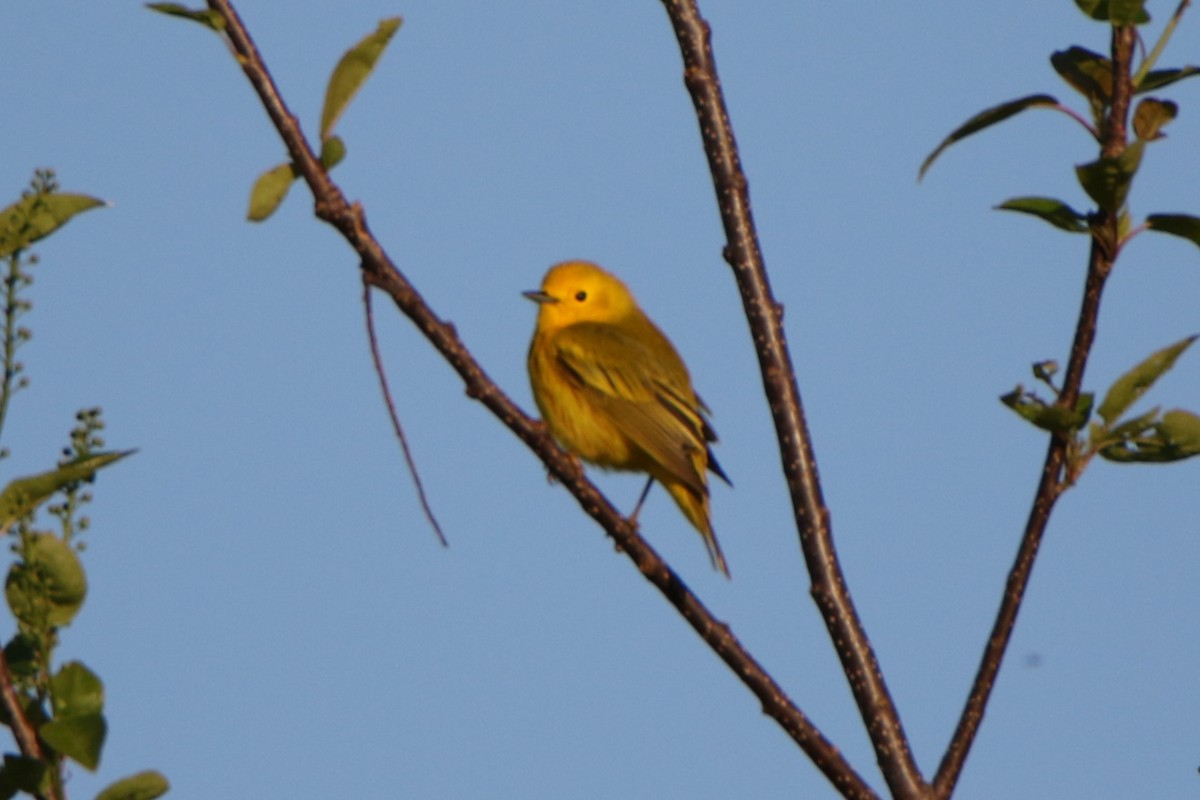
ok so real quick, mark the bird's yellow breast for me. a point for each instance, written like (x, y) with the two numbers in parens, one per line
(580, 424)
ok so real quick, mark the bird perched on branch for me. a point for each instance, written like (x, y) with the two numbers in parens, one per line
(613, 391)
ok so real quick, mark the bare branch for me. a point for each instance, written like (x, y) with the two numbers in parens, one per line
(765, 316)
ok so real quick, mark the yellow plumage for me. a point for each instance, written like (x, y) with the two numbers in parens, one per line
(613, 391)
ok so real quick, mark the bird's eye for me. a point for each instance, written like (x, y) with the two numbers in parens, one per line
(581, 295)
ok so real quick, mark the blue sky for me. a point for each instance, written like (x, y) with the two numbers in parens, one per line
(270, 612)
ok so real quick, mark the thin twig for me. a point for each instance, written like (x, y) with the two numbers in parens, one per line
(1149, 61)
(350, 220)
(765, 317)
(1052, 482)
(391, 408)
(1075, 115)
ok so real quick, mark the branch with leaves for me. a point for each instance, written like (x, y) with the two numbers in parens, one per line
(55, 712)
(1108, 84)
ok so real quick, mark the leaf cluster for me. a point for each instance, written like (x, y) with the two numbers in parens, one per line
(55, 713)
(1153, 436)
(351, 72)
(1150, 437)
(1106, 180)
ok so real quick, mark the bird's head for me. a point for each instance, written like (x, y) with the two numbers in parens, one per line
(579, 291)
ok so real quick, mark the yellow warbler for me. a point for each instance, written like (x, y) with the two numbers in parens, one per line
(613, 391)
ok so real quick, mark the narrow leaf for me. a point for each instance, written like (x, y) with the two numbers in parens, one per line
(1151, 115)
(352, 70)
(205, 16)
(36, 216)
(23, 495)
(1173, 438)
(80, 738)
(1183, 225)
(1158, 78)
(1053, 418)
(269, 191)
(1132, 428)
(1134, 383)
(143, 786)
(1056, 212)
(984, 119)
(1086, 72)
(1107, 180)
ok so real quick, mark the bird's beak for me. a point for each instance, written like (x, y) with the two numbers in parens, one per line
(540, 297)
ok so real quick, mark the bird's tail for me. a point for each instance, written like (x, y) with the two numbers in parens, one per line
(694, 506)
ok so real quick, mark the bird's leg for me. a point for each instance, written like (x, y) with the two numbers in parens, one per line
(633, 517)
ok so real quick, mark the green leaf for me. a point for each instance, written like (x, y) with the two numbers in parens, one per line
(1151, 115)
(269, 191)
(1053, 418)
(23, 495)
(22, 656)
(333, 150)
(1056, 212)
(1086, 72)
(205, 16)
(21, 774)
(76, 691)
(80, 738)
(142, 786)
(36, 216)
(1174, 437)
(47, 587)
(1134, 383)
(1107, 180)
(984, 119)
(1158, 78)
(1183, 225)
(352, 71)
(1130, 428)
(1118, 12)
(1182, 428)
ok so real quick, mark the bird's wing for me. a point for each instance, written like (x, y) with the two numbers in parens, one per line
(640, 394)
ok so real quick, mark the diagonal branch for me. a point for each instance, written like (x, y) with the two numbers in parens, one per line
(1103, 253)
(379, 271)
(765, 317)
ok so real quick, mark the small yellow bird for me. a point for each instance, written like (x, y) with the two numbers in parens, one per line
(613, 391)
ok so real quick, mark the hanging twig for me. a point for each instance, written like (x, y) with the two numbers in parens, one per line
(391, 408)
